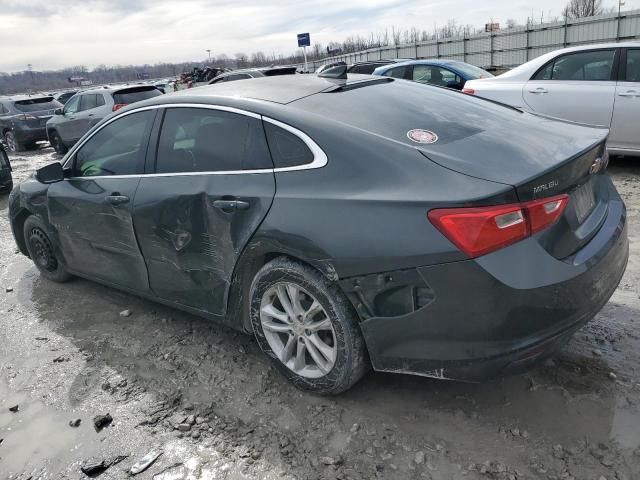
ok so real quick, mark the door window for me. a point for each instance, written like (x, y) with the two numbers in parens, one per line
(87, 102)
(206, 140)
(434, 75)
(593, 66)
(237, 76)
(73, 105)
(633, 66)
(397, 72)
(117, 149)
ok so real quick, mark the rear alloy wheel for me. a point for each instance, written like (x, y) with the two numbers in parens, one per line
(307, 327)
(42, 252)
(57, 144)
(12, 143)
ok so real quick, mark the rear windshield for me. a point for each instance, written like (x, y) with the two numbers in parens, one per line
(135, 95)
(279, 71)
(471, 71)
(37, 104)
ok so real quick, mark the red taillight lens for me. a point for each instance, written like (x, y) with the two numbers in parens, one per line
(470, 91)
(118, 106)
(481, 230)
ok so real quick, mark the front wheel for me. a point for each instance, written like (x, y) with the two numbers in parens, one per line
(42, 252)
(307, 327)
(57, 143)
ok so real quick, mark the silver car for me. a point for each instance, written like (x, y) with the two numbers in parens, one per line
(596, 85)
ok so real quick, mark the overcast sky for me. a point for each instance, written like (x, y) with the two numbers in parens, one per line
(52, 34)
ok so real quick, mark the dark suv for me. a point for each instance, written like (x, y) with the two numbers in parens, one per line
(85, 109)
(23, 119)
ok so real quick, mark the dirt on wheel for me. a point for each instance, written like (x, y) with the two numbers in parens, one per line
(189, 399)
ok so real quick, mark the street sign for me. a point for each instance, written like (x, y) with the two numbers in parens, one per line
(304, 40)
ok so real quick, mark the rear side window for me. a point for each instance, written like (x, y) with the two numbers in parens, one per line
(287, 149)
(37, 104)
(117, 149)
(365, 69)
(397, 72)
(587, 66)
(135, 95)
(87, 102)
(207, 140)
(633, 66)
(237, 76)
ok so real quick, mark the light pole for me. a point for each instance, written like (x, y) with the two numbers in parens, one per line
(208, 50)
(620, 3)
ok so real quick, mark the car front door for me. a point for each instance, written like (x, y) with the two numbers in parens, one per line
(577, 86)
(86, 116)
(212, 186)
(625, 130)
(68, 127)
(91, 209)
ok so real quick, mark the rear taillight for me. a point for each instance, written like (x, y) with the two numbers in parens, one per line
(470, 91)
(118, 106)
(481, 230)
(24, 116)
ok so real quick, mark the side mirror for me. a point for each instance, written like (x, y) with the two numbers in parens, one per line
(51, 173)
(58, 111)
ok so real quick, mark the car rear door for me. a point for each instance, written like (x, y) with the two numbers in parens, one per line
(577, 86)
(211, 187)
(626, 113)
(91, 209)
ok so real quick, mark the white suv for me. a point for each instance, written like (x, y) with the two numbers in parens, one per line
(596, 85)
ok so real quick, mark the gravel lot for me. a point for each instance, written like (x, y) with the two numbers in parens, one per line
(208, 399)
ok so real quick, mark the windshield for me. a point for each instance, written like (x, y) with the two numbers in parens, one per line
(37, 104)
(471, 71)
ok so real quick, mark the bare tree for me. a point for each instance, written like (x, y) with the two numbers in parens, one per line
(583, 8)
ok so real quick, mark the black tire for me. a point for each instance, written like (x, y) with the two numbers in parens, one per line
(12, 144)
(351, 361)
(57, 143)
(42, 252)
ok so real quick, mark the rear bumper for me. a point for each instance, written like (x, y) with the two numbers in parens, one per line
(504, 311)
(26, 134)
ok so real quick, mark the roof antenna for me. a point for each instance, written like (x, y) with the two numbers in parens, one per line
(338, 72)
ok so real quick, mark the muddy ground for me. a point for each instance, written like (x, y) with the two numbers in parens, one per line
(210, 401)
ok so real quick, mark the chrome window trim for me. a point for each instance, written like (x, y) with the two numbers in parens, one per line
(319, 157)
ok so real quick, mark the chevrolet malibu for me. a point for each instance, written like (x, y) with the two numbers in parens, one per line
(347, 223)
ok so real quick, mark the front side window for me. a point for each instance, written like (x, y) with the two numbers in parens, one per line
(633, 66)
(434, 75)
(594, 66)
(117, 149)
(73, 105)
(397, 72)
(207, 140)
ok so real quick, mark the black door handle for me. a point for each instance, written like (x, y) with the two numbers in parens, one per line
(229, 205)
(117, 199)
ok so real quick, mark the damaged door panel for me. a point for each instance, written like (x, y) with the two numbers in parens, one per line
(91, 210)
(193, 228)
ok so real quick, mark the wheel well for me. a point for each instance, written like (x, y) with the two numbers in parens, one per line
(18, 230)
(238, 304)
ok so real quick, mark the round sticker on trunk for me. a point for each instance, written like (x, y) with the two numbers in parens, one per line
(422, 136)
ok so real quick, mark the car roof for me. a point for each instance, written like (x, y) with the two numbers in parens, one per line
(281, 89)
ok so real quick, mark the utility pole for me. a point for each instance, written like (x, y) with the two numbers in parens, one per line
(30, 69)
(620, 4)
(208, 50)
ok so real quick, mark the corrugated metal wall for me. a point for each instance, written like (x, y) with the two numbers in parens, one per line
(510, 48)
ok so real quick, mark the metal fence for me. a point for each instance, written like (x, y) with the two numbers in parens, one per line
(509, 48)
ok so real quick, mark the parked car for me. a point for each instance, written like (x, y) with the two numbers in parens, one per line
(6, 180)
(365, 68)
(23, 119)
(595, 84)
(413, 228)
(444, 73)
(253, 73)
(87, 108)
(63, 97)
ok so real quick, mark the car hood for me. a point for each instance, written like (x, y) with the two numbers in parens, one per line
(475, 136)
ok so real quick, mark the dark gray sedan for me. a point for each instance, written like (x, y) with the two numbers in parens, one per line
(347, 223)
